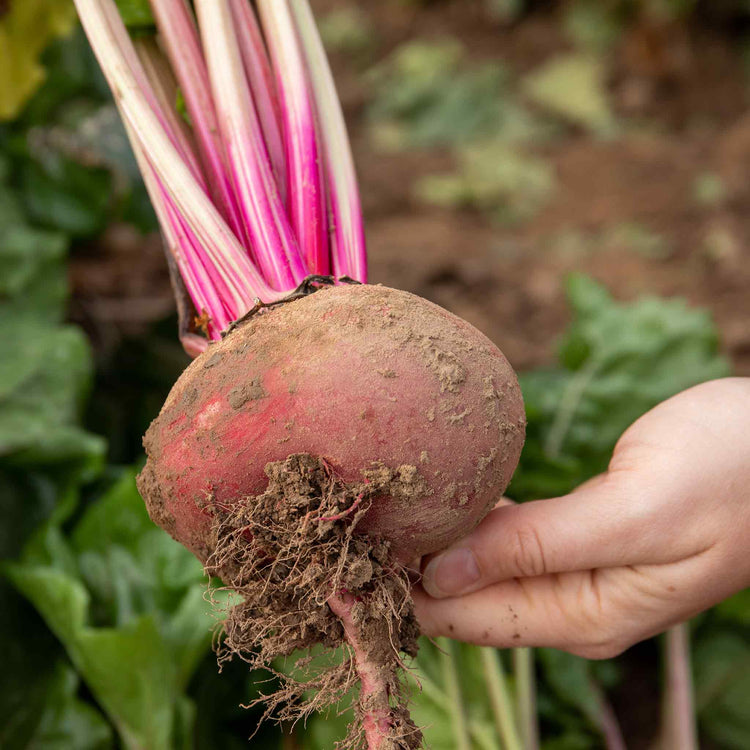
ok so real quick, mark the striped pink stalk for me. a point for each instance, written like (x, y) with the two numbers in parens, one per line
(181, 243)
(164, 89)
(236, 279)
(349, 249)
(120, 37)
(245, 195)
(273, 241)
(197, 282)
(234, 275)
(235, 292)
(262, 86)
(304, 173)
(187, 252)
(182, 45)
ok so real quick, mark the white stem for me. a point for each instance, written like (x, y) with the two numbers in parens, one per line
(304, 170)
(241, 279)
(179, 36)
(349, 247)
(274, 244)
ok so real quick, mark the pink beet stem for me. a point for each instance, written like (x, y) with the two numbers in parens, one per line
(349, 250)
(168, 152)
(181, 42)
(181, 241)
(124, 46)
(262, 86)
(273, 240)
(373, 691)
(184, 247)
(229, 265)
(304, 173)
(245, 200)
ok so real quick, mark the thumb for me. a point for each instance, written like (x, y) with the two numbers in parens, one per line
(604, 523)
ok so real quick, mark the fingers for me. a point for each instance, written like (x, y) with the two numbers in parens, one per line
(605, 523)
(594, 614)
(533, 612)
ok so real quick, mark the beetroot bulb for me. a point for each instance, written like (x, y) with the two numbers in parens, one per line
(379, 384)
(327, 433)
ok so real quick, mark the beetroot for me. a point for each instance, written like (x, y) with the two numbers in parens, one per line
(317, 448)
(368, 378)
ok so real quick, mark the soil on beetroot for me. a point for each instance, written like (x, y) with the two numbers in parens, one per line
(305, 579)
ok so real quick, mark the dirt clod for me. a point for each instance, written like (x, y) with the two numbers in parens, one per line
(305, 579)
(251, 391)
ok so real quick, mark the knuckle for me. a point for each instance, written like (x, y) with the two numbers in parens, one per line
(527, 552)
(598, 632)
(605, 648)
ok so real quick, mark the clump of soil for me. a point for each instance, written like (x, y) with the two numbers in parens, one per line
(304, 578)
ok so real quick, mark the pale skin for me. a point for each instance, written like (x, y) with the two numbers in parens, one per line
(662, 535)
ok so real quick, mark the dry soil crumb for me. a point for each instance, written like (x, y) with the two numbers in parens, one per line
(287, 552)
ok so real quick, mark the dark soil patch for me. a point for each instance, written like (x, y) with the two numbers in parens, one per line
(305, 579)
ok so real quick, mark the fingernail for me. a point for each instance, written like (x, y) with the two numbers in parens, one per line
(451, 573)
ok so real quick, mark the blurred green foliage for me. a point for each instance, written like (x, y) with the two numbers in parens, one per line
(127, 604)
(508, 11)
(136, 14)
(429, 95)
(494, 177)
(347, 30)
(573, 87)
(26, 28)
(615, 363)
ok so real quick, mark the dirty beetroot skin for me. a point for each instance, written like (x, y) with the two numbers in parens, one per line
(311, 454)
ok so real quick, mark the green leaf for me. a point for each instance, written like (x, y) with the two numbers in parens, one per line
(136, 14)
(25, 30)
(20, 264)
(494, 177)
(127, 604)
(347, 30)
(505, 11)
(221, 722)
(722, 681)
(67, 722)
(118, 518)
(28, 668)
(128, 669)
(33, 284)
(736, 609)
(574, 683)
(28, 498)
(572, 86)
(594, 26)
(61, 194)
(44, 376)
(426, 95)
(73, 78)
(616, 362)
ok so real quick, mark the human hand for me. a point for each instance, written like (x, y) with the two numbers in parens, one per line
(661, 536)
